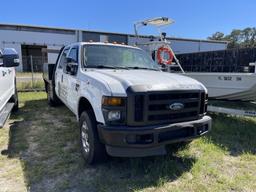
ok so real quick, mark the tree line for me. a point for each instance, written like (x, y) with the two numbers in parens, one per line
(244, 38)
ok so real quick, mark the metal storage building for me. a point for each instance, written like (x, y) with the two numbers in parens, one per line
(31, 42)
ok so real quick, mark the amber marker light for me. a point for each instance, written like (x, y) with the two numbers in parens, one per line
(112, 101)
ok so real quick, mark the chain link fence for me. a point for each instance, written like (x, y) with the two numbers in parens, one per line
(31, 79)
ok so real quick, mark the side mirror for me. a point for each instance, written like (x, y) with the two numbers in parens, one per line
(72, 66)
(9, 58)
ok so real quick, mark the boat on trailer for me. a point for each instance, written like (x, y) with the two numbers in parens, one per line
(228, 86)
(220, 85)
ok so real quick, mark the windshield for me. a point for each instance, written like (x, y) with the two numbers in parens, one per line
(105, 56)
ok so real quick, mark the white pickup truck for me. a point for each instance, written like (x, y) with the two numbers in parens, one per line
(126, 106)
(9, 59)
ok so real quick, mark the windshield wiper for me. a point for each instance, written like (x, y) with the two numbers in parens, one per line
(101, 66)
(117, 67)
(105, 67)
(146, 68)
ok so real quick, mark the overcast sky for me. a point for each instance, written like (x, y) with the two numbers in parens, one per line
(193, 18)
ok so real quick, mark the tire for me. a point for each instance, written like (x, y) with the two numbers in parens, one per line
(16, 101)
(53, 102)
(49, 99)
(92, 150)
(184, 144)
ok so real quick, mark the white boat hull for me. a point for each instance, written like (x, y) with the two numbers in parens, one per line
(230, 86)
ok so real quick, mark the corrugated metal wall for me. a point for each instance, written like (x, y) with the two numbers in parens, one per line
(185, 46)
(101, 37)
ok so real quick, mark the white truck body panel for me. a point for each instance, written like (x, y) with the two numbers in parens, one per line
(7, 85)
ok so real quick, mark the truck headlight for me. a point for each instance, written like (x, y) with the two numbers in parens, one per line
(114, 110)
(114, 115)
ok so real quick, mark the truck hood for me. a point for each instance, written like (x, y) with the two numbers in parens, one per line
(119, 80)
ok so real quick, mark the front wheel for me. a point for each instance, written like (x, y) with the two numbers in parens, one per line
(92, 150)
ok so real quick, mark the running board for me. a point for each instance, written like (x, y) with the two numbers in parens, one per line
(5, 113)
(231, 111)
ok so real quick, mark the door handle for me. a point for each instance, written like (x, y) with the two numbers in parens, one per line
(4, 73)
(77, 87)
(61, 78)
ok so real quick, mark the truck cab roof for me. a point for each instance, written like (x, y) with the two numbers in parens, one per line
(103, 43)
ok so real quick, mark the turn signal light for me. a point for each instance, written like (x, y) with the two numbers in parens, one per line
(112, 101)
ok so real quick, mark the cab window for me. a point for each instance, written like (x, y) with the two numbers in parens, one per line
(63, 59)
(73, 54)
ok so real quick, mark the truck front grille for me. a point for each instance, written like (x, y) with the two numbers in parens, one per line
(138, 107)
(154, 107)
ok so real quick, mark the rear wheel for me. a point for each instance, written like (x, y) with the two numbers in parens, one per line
(49, 100)
(51, 96)
(92, 150)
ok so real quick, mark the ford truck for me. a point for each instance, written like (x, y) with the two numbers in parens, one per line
(125, 105)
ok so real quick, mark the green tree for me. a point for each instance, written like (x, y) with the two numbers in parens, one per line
(217, 36)
(249, 37)
(234, 38)
(237, 38)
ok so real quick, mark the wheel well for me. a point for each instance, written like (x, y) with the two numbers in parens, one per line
(84, 105)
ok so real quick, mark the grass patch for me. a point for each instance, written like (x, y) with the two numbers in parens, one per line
(27, 85)
(28, 74)
(40, 152)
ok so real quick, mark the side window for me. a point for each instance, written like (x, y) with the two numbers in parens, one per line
(73, 54)
(63, 58)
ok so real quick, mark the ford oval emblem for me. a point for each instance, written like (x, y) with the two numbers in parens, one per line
(176, 106)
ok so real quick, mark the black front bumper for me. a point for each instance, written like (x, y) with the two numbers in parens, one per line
(124, 141)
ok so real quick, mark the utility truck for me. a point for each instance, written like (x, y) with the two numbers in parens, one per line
(9, 59)
(125, 105)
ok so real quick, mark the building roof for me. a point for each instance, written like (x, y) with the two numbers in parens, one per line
(23, 27)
